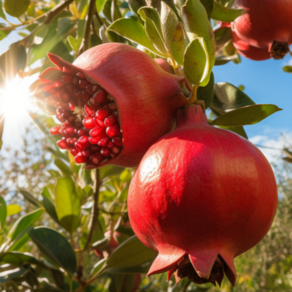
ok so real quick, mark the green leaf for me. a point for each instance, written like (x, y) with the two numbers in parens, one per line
(208, 5)
(97, 267)
(225, 14)
(173, 33)
(8, 272)
(55, 246)
(17, 245)
(73, 43)
(287, 69)
(198, 27)
(131, 253)
(22, 225)
(206, 93)
(227, 97)
(16, 7)
(67, 203)
(19, 259)
(50, 209)
(13, 209)
(247, 115)
(3, 212)
(99, 4)
(133, 31)
(135, 5)
(64, 25)
(238, 130)
(196, 61)
(222, 36)
(153, 28)
(63, 167)
(29, 197)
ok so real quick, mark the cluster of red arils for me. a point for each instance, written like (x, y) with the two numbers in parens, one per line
(90, 129)
(113, 102)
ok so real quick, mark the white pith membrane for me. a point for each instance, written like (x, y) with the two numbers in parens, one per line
(90, 128)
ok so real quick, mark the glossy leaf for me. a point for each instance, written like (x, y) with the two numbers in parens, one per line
(54, 246)
(196, 61)
(63, 167)
(65, 24)
(50, 209)
(133, 31)
(198, 27)
(222, 36)
(225, 14)
(19, 259)
(208, 5)
(67, 204)
(8, 272)
(173, 33)
(153, 28)
(129, 254)
(29, 197)
(3, 212)
(227, 97)
(2, 14)
(247, 115)
(16, 7)
(206, 93)
(18, 244)
(135, 5)
(23, 224)
(287, 69)
(13, 209)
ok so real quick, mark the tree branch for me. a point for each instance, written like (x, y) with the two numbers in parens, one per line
(86, 37)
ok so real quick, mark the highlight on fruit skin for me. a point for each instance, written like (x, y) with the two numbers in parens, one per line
(266, 25)
(200, 197)
(113, 103)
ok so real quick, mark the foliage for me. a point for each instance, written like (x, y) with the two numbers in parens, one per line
(71, 232)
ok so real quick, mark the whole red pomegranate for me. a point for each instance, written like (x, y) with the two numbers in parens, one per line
(200, 197)
(114, 102)
(267, 24)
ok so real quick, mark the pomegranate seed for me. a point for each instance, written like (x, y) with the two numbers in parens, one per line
(82, 143)
(96, 132)
(88, 122)
(71, 140)
(82, 132)
(62, 144)
(75, 80)
(71, 106)
(65, 97)
(80, 158)
(80, 75)
(96, 158)
(74, 151)
(94, 148)
(112, 106)
(87, 152)
(69, 130)
(117, 141)
(71, 119)
(89, 111)
(113, 131)
(110, 144)
(85, 95)
(105, 151)
(116, 149)
(70, 88)
(103, 142)
(91, 88)
(109, 121)
(102, 113)
(83, 83)
(58, 83)
(55, 130)
(99, 123)
(94, 140)
(66, 78)
(100, 96)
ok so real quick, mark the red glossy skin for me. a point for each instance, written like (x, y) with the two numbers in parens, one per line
(249, 51)
(201, 191)
(146, 96)
(265, 21)
(164, 65)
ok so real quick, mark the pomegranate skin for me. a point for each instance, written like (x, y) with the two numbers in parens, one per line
(164, 65)
(146, 96)
(264, 22)
(201, 193)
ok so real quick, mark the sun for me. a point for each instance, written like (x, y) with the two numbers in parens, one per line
(15, 99)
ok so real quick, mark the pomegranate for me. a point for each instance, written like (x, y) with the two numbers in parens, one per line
(267, 24)
(114, 102)
(164, 65)
(200, 197)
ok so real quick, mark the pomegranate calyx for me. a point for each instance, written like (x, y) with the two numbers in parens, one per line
(190, 115)
(279, 50)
